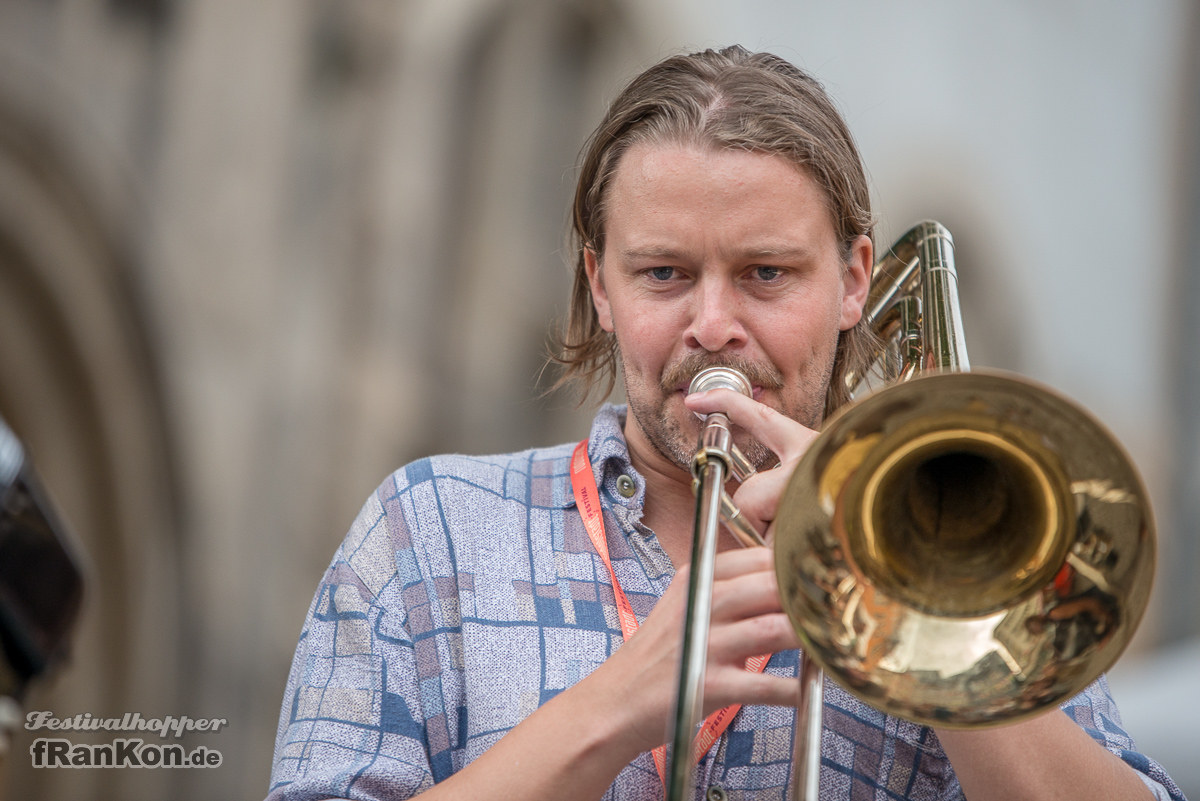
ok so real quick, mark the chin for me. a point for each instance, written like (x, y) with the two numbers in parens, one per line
(669, 427)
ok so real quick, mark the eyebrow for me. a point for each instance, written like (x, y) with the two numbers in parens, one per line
(649, 252)
(789, 252)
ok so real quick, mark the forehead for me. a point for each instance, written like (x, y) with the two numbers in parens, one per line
(674, 189)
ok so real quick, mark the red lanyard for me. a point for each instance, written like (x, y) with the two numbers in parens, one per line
(587, 499)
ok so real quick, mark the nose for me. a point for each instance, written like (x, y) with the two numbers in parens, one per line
(716, 323)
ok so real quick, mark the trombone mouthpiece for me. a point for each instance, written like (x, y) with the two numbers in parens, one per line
(721, 378)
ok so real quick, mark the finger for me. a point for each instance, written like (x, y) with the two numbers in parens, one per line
(787, 438)
(745, 687)
(733, 643)
(740, 561)
(746, 596)
(758, 497)
(727, 565)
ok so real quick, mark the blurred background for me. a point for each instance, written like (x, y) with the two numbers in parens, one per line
(256, 255)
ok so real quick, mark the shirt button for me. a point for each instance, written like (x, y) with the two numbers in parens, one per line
(626, 486)
(716, 793)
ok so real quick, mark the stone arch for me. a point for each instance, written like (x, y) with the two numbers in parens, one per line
(79, 385)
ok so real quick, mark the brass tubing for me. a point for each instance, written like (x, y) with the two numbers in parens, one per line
(806, 734)
(690, 701)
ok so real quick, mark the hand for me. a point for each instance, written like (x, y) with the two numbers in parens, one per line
(758, 497)
(746, 621)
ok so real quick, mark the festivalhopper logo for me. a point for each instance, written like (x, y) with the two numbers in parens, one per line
(121, 752)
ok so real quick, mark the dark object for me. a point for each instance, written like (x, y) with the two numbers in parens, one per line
(41, 583)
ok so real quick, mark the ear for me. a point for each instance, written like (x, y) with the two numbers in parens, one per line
(591, 263)
(856, 281)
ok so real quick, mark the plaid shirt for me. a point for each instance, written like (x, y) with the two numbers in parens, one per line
(467, 593)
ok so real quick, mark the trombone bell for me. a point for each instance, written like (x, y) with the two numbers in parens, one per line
(964, 549)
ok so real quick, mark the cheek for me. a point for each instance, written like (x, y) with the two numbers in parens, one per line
(638, 339)
(645, 342)
(803, 338)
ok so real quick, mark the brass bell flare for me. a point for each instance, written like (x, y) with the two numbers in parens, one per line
(964, 549)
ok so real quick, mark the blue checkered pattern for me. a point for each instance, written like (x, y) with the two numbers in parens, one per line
(467, 593)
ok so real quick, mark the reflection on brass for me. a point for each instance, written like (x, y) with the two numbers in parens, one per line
(989, 578)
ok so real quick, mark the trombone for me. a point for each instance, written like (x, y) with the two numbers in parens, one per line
(959, 549)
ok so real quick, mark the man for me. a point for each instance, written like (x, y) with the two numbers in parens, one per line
(486, 630)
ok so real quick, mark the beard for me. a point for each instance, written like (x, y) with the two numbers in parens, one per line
(676, 441)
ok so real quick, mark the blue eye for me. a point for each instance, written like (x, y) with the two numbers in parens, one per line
(662, 273)
(765, 273)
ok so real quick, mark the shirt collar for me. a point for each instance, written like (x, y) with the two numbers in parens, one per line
(612, 468)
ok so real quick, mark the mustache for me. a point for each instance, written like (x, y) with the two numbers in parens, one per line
(679, 374)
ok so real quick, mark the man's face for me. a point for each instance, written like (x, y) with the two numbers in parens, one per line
(723, 257)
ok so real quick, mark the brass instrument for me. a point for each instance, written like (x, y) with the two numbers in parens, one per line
(959, 549)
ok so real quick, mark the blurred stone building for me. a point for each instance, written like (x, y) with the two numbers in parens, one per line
(255, 255)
